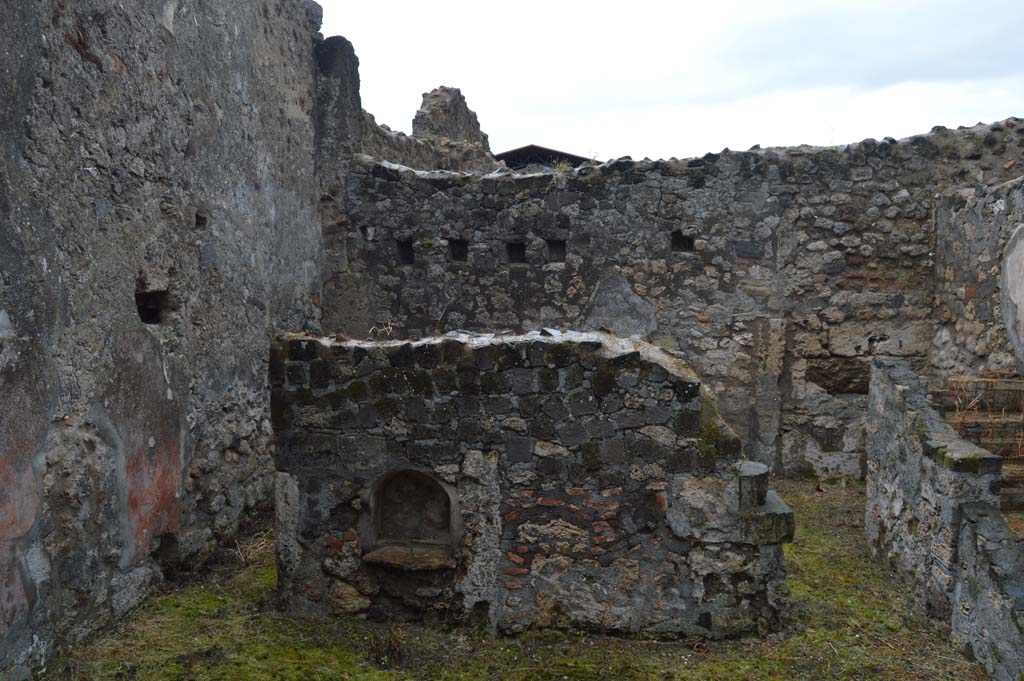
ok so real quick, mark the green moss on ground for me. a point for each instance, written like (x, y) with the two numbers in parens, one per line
(851, 619)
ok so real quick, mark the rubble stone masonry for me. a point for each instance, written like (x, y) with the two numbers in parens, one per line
(184, 180)
(933, 512)
(556, 479)
(779, 273)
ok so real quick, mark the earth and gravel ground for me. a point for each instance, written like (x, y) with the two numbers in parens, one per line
(851, 618)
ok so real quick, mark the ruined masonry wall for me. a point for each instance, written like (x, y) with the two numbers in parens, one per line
(920, 474)
(779, 273)
(163, 148)
(446, 135)
(190, 152)
(592, 482)
(933, 512)
(988, 620)
(974, 227)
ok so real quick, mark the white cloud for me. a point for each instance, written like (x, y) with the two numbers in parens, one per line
(679, 79)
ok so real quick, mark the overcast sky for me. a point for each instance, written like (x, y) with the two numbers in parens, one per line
(664, 79)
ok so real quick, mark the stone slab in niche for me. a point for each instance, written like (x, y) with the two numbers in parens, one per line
(411, 521)
(411, 557)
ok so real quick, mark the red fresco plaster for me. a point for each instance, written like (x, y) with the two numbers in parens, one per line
(153, 500)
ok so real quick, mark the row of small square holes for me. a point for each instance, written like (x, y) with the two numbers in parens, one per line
(458, 249)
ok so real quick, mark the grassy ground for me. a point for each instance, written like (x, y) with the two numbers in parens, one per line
(851, 619)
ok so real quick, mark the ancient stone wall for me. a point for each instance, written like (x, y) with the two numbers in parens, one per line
(932, 511)
(780, 273)
(167, 166)
(344, 130)
(447, 135)
(919, 476)
(975, 236)
(444, 115)
(988, 613)
(158, 217)
(535, 480)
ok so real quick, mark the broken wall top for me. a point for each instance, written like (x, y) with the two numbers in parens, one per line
(577, 393)
(604, 344)
(446, 134)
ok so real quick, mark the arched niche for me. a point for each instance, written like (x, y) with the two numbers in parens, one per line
(412, 522)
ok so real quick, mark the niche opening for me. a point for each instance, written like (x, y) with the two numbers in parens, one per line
(168, 556)
(516, 251)
(682, 243)
(556, 250)
(152, 306)
(406, 255)
(414, 522)
(458, 250)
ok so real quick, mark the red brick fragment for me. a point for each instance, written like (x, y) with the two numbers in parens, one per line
(606, 538)
(515, 558)
(332, 544)
(548, 501)
(601, 505)
(516, 572)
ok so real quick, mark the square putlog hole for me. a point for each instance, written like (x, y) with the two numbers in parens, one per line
(682, 243)
(556, 250)
(152, 306)
(516, 251)
(406, 255)
(458, 250)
